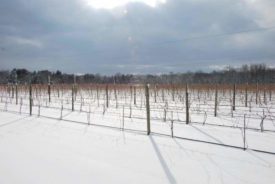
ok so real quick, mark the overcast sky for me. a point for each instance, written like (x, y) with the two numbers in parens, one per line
(130, 36)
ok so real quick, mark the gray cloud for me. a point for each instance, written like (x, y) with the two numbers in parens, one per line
(177, 36)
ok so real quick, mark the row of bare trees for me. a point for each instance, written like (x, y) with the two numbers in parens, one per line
(258, 73)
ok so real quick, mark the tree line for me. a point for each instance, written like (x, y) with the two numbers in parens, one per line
(256, 73)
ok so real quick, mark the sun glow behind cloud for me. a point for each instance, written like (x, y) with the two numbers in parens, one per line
(110, 4)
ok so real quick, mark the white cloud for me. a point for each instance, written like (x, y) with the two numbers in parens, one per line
(218, 67)
(264, 11)
(24, 41)
(110, 4)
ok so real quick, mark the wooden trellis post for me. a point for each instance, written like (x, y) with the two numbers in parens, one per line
(97, 95)
(234, 97)
(134, 95)
(270, 92)
(30, 98)
(12, 90)
(131, 92)
(244, 133)
(187, 104)
(73, 97)
(147, 109)
(155, 93)
(107, 96)
(264, 95)
(246, 86)
(172, 125)
(162, 94)
(173, 93)
(75, 88)
(16, 89)
(216, 101)
(49, 87)
(115, 92)
(123, 117)
(257, 92)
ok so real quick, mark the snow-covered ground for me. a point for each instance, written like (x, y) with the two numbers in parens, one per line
(42, 150)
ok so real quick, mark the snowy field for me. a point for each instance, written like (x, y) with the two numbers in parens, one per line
(103, 140)
(40, 150)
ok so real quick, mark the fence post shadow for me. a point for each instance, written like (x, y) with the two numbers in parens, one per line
(165, 168)
(13, 121)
